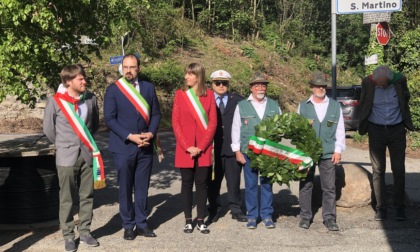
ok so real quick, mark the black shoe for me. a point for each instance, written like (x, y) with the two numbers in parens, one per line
(400, 214)
(304, 223)
(331, 225)
(89, 240)
(129, 234)
(203, 229)
(380, 214)
(240, 217)
(188, 229)
(213, 217)
(146, 232)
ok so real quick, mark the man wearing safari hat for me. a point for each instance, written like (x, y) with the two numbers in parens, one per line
(225, 163)
(326, 118)
(248, 114)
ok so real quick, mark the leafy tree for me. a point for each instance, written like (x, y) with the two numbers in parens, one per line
(38, 37)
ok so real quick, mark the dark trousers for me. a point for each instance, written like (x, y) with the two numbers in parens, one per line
(226, 167)
(76, 185)
(327, 176)
(379, 139)
(133, 172)
(199, 175)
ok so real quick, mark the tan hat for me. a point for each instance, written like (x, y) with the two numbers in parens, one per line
(258, 77)
(220, 75)
(318, 78)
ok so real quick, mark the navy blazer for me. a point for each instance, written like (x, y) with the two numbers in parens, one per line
(122, 118)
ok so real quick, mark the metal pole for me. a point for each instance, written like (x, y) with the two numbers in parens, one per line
(333, 49)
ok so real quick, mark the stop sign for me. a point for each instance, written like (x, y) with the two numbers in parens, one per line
(382, 33)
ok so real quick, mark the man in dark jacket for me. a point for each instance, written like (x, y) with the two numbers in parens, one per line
(225, 163)
(384, 116)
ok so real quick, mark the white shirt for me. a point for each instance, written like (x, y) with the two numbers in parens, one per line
(321, 111)
(237, 123)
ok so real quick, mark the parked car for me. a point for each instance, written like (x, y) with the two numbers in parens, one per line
(348, 97)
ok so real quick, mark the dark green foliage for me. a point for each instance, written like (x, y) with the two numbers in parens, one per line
(287, 126)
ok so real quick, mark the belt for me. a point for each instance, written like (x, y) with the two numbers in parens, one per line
(386, 126)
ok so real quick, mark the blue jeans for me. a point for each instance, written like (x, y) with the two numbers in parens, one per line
(251, 193)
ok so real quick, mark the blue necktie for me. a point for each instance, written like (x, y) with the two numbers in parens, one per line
(221, 104)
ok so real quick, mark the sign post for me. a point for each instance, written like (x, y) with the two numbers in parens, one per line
(382, 33)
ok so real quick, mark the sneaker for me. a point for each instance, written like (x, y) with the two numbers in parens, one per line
(188, 229)
(268, 223)
(69, 245)
(331, 225)
(252, 224)
(304, 223)
(400, 214)
(203, 229)
(88, 240)
(380, 214)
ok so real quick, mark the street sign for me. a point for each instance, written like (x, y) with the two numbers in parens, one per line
(116, 60)
(360, 6)
(382, 33)
(376, 17)
(371, 60)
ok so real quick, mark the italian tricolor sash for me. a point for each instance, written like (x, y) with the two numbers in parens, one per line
(142, 107)
(83, 133)
(135, 98)
(266, 147)
(196, 108)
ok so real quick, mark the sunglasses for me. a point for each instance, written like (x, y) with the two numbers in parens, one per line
(224, 83)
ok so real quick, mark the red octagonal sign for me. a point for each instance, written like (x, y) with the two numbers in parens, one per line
(382, 33)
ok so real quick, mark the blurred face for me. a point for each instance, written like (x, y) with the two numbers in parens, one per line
(191, 79)
(130, 68)
(258, 91)
(76, 86)
(318, 91)
(220, 87)
(382, 82)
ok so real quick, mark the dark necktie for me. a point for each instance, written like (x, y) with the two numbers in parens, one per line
(221, 104)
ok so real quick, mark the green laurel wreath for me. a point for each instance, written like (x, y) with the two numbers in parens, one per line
(287, 126)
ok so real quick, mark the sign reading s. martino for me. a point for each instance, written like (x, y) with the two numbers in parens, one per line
(360, 6)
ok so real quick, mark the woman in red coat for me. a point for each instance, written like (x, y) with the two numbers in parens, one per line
(194, 121)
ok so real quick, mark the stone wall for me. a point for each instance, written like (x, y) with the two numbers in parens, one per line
(13, 110)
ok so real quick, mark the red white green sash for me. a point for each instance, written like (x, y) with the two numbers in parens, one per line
(196, 108)
(135, 98)
(142, 107)
(83, 133)
(266, 147)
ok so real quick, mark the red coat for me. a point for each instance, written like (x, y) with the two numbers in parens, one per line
(188, 133)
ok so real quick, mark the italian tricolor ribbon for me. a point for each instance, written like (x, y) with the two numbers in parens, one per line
(196, 108)
(142, 107)
(85, 136)
(266, 147)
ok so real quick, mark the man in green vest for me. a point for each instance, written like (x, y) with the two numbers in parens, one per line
(326, 118)
(248, 114)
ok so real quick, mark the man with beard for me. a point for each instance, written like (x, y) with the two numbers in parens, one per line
(249, 113)
(326, 118)
(132, 113)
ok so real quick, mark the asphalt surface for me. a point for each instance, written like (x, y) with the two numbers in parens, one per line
(358, 230)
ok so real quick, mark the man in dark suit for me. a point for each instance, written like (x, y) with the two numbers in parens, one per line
(132, 113)
(384, 116)
(74, 159)
(225, 163)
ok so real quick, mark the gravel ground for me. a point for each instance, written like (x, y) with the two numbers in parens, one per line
(358, 230)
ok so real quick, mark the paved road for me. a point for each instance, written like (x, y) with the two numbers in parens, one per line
(359, 232)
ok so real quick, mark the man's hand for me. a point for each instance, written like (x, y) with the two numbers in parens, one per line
(240, 157)
(142, 140)
(336, 158)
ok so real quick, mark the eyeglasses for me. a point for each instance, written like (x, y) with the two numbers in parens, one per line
(224, 83)
(315, 86)
(130, 67)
